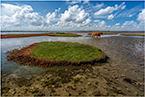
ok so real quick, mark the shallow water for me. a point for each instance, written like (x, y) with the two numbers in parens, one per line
(121, 50)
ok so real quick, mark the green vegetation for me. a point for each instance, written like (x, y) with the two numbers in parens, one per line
(125, 33)
(66, 51)
(108, 33)
(133, 34)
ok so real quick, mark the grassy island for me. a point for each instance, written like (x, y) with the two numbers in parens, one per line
(43, 34)
(57, 53)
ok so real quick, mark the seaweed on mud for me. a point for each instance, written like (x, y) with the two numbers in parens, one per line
(128, 80)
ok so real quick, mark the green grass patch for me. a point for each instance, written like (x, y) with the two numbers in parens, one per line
(63, 51)
(108, 33)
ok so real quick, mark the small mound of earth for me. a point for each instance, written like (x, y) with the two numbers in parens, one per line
(57, 53)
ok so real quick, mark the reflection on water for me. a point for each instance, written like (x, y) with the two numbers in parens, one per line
(120, 50)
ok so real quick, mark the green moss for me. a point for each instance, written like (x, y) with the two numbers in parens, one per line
(66, 51)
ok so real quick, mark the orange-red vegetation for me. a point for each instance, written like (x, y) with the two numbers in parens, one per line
(96, 34)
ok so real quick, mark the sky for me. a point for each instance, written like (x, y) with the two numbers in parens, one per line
(72, 15)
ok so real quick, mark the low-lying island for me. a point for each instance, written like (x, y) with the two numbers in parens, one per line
(57, 53)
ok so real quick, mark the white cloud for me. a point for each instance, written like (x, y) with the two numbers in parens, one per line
(130, 12)
(19, 16)
(101, 25)
(128, 26)
(9, 9)
(110, 9)
(50, 17)
(53, 17)
(74, 14)
(122, 6)
(117, 24)
(129, 23)
(105, 11)
(141, 16)
(110, 17)
(23, 17)
(99, 5)
(86, 22)
(86, 1)
(72, 2)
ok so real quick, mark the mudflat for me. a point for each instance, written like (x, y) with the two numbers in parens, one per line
(123, 75)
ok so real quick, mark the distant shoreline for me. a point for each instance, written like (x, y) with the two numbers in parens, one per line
(34, 35)
(62, 34)
(80, 31)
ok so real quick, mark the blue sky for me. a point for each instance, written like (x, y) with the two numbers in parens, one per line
(73, 15)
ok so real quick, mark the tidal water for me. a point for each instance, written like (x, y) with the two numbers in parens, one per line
(120, 49)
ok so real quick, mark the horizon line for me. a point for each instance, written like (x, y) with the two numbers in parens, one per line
(66, 31)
